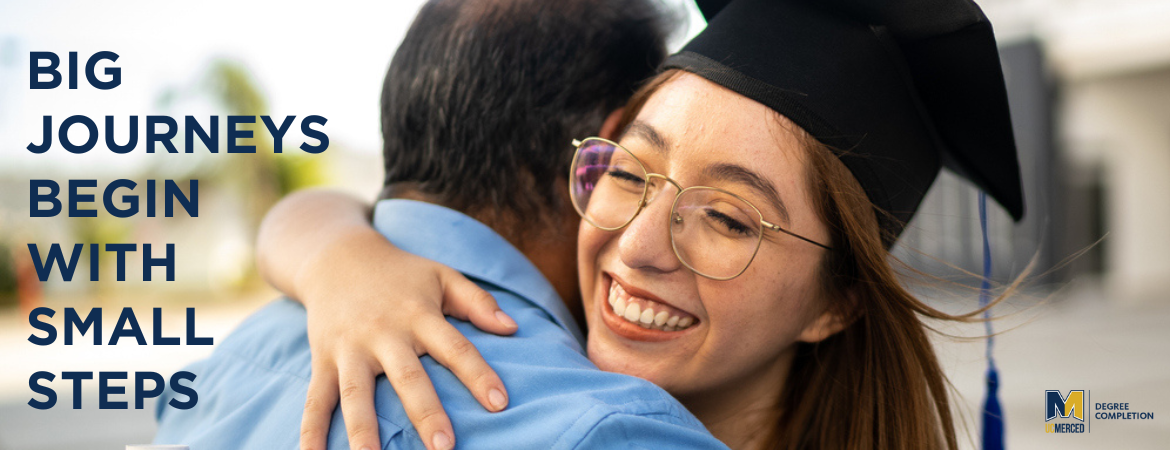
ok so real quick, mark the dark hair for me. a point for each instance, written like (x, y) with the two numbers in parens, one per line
(483, 97)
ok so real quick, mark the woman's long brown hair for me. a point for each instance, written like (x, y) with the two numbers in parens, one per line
(877, 383)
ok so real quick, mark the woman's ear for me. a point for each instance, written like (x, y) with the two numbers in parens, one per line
(609, 127)
(831, 321)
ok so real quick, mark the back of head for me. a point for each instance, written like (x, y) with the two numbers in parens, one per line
(483, 97)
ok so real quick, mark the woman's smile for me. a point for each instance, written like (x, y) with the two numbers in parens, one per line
(639, 315)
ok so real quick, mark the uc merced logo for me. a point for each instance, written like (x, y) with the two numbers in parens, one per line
(1072, 412)
(1065, 413)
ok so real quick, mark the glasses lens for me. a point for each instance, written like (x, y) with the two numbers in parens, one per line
(714, 232)
(607, 184)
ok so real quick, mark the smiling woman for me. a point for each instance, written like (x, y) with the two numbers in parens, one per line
(769, 300)
(756, 348)
(737, 216)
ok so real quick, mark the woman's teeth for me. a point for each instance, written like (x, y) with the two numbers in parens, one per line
(645, 313)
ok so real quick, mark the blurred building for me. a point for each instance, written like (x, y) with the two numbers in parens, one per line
(1089, 86)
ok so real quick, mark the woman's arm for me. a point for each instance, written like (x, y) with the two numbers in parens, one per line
(318, 247)
(305, 224)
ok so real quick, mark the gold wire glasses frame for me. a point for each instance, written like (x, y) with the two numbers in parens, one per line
(674, 215)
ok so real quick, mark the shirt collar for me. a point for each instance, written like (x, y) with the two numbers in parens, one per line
(452, 238)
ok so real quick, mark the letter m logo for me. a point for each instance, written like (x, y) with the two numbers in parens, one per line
(1057, 406)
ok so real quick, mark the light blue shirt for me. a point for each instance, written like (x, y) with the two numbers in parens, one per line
(252, 389)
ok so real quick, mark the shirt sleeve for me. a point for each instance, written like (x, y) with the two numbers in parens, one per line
(646, 432)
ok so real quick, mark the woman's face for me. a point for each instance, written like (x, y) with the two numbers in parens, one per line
(728, 333)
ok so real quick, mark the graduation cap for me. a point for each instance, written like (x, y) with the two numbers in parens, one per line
(898, 89)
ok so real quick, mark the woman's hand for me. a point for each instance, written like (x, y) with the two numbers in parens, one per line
(374, 309)
(381, 319)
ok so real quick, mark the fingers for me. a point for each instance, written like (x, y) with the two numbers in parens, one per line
(451, 349)
(464, 300)
(357, 406)
(414, 388)
(319, 405)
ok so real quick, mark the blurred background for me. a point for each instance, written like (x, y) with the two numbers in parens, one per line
(1089, 84)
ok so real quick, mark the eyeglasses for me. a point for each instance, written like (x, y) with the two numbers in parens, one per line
(714, 233)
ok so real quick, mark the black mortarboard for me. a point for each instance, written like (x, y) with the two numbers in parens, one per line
(897, 88)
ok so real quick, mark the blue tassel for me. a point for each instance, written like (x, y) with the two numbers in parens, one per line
(992, 412)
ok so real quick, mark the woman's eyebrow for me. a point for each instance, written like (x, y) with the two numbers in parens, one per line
(649, 134)
(733, 173)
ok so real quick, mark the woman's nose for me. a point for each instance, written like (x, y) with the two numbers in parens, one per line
(645, 242)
